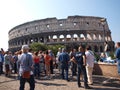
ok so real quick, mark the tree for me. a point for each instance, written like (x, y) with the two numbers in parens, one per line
(38, 46)
(54, 48)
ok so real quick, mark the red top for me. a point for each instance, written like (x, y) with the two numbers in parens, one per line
(47, 59)
(36, 59)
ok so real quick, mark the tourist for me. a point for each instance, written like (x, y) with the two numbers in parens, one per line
(89, 64)
(15, 59)
(26, 69)
(57, 61)
(1, 62)
(7, 64)
(18, 66)
(117, 53)
(80, 59)
(64, 59)
(51, 61)
(107, 49)
(10, 56)
(47, 58)
(103, 57)
(72, 63)
(42, 62)
(36, 60)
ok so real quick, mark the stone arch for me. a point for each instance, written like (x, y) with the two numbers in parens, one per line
(94, 37)
(68, 37)
(22, 41)
(89, 37)
(75, 37)
(109, 38)
(18, 42)
(54, 38)
(41, 39)
(35, 39)
(99, 37)
(82, 37)
(61, 37)
(101, 48)
(95, 48)
(26, 41)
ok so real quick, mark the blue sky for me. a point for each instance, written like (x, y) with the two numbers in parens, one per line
(15, 12)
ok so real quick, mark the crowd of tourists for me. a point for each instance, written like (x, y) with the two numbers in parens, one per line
(29, 65)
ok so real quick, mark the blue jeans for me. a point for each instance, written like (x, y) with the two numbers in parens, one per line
(31, 82)
(37, 69)
(74, 68)
(1, 67)
(82, 69)
(64, 67)
(118, 66)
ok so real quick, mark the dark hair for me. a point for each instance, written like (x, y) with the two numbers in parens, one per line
(36, 53)
(30, 50)
(46, 52)
(118, 43)
(88, 48)
(106, 42)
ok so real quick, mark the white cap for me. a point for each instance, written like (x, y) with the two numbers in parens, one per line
(25, 47)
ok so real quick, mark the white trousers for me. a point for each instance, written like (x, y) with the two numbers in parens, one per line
(89, 71)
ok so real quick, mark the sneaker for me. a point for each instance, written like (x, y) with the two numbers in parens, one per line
(88, 87)
(68, 80)
(79, 85)
(46, 77)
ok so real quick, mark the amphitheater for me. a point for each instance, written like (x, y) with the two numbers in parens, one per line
(71, 32)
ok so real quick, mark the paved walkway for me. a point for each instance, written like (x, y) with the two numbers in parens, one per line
(100, 83)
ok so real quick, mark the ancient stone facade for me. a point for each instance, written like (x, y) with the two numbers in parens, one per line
(74, 30)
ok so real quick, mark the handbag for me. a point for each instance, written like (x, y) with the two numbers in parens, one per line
(26, 74)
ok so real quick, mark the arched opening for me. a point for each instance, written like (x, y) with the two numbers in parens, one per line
(94, 37)
(41, 39)
(22, 41)
(100, 37)
(61, 38)
(109, 39)
(55, 38)
(89, 37)
(75, 37)
(36, 39)
(95, 48)
(82, 37)
(26, 41)
(101, 48)
(68, 37)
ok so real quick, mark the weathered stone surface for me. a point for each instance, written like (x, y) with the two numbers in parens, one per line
(73, 30)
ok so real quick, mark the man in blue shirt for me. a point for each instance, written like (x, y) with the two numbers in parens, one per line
(117, 53)
(26, 65)
(1, 62)
(64, 59)
(80, 60)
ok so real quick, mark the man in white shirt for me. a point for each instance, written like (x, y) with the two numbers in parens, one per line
(89, 64)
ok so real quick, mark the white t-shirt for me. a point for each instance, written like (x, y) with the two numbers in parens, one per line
(89, 58)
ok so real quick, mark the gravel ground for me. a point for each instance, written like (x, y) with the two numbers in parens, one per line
(56, 83)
